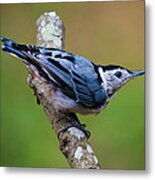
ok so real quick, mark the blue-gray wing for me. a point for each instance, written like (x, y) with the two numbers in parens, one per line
(75, 75)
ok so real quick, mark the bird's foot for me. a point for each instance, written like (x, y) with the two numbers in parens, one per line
(79, 126)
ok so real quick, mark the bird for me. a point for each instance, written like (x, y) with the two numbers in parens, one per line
(81, 86)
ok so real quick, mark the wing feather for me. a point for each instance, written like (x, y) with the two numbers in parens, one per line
(73, 74)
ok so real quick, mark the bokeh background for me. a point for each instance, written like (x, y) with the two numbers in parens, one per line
(106, 33)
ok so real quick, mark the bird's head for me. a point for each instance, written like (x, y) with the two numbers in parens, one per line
(114, 77)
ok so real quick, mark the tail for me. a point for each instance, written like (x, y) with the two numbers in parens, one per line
(26, 53)
(23, 52)
(13, 48)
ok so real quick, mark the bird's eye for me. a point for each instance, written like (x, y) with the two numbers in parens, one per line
(118, 74)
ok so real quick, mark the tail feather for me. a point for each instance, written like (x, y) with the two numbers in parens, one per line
(21, 51)
(12, 48)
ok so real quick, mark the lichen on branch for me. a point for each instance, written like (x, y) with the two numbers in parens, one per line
(73, 142)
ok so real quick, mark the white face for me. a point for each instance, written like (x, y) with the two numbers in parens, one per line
(114, 79)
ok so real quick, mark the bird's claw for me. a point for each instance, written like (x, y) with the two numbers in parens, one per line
(81, 127)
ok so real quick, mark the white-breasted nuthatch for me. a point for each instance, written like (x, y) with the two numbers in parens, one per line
(81, 86)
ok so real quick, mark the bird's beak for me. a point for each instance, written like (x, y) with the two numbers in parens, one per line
(137, 73)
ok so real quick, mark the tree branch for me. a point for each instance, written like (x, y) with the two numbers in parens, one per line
(73, 142)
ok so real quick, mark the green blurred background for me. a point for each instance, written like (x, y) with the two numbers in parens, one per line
(106, 33)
